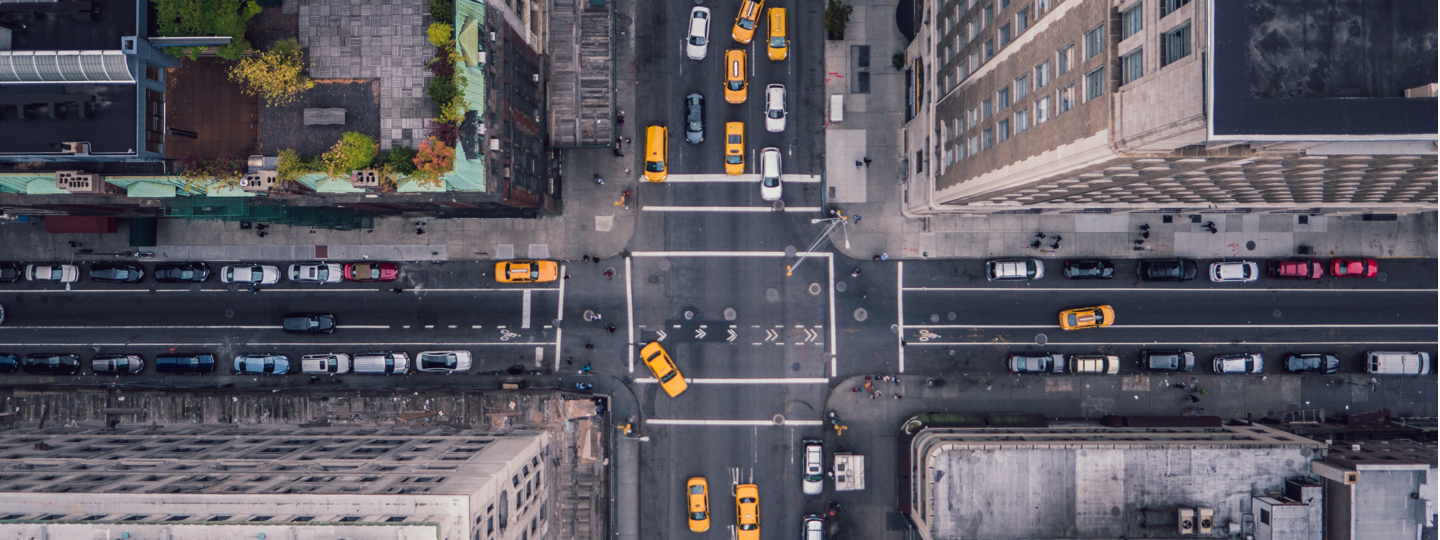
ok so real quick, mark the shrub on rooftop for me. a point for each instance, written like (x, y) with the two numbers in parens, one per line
(433, 159)
(353, 151)
(192, 18)
(277, 75)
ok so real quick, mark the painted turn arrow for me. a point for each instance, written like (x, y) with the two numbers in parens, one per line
(732, 335)
(770, 335)
(662, 335)
(810, 335)
(699, 333)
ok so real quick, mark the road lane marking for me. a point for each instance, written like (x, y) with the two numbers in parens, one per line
(173, 344)
(735, 423)
(1173, 326)
(795, 380)
(753, 209)
(735, 179)
(263, 289)
(629, 319)
(1145, 289)
(525, 310)
(1153, 344)
(559, 316)
(660, 254)
(899, 311)
(236, 327)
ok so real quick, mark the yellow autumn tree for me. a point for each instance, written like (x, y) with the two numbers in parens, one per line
(277, 75)
(433, 159)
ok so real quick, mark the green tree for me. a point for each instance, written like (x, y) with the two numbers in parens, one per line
(353, 151)
(190, 18)
(402, 159)
(835, 17)
(433, 160)
(278, 75)
(442, 10)
(289, 167)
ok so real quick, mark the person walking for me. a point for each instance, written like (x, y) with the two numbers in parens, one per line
(856, 273)
(610, 327)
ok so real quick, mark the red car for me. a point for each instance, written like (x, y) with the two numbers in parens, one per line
(372, 271)
(1354, 268)
(1297, 269)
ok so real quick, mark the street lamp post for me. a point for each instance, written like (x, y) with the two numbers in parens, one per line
(838, 221)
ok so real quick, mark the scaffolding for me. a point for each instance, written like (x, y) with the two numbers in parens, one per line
(240, 209)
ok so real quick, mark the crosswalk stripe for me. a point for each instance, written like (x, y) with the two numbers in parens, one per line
(734, 179)
(795, 380)
(751, 209)
(742, 423)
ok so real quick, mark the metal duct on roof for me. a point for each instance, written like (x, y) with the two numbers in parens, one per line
(49, 67)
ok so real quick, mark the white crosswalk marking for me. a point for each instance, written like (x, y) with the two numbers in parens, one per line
(734, 179)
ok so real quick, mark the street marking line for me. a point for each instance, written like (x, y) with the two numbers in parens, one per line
(830, 266)
(559, 316)
(1176, 326)
(324, 290)
(899, 311)
(735, 179)
(629, 318)
(728, 254)
(795, 380)
(1168, 344)
(736, 423)
(236, 327)
(430, 344)
(525, 310)
(1142, 289)
(753, 209)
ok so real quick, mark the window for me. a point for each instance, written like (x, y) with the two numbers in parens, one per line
(154, 120)
(960, 37)
(1022, 121)
(948, 85)
(1094, 41)
(1022, 87)
(989, 48)
(1004, 4)
(1066, 99)
(989, 14)
(1022, 19)
(1004, 126)
(985, 110)
(1042, 110)
(1175, 45)
(972, 117)
(955, 131)
(964, 71)
(1003, 97)
(1132, 66)
(974, 61)
(1042, 7)
(1169, 6)
(1005, 35)
(152, 73)
(1265, 516)
(1094, 84)
(1063, 60)
(975, 27)
(1042, 74)
(1132, 20)
(987, 138)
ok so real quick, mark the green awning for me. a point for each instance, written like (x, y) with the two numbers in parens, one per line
(216, 190)
(151, 189)
(43, 187)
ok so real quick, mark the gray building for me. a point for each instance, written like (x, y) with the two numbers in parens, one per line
(1171, 106)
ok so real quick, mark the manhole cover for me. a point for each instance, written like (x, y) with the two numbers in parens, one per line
(934, 318)
(794, 141)
(861, 314)
(1380, 276)
(1277, 314)
(815, 288)
(555, 323)
(1041, 339)
(795, 366)
(951, 316)
(778, 205)
(229, 314)
(1250, 245)
(790, 251)
(894, 328)
(772, 294)
(779, 419)
(729, 314)
(653, 279)
(840, 286)
(664, 265)
(689, 314)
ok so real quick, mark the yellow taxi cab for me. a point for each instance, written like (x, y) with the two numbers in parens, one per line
(657, 146)
(735, 76)
(1090, 317)
(747, 512)
(779, 47)
(734, 148)
(664, 369)
(697, 499)
(746, 20)
(526, 271)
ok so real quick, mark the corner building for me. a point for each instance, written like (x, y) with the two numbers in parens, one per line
(1170, 106)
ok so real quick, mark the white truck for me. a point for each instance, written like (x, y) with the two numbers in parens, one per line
(849, 472)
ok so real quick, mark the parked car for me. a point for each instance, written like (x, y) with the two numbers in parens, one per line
(1354, 268)
(325, 364)
(1094, 364)
(11, 272)
(119, 364)
(309, 323)
(2, 314)
(1014, 269)
(9, 362)
(1088, 317)
(697, 500)
(181, 272)
(812, 527)
(1312, 363)
(1035, 363)
(384, 363)
(813, 482)
(316, 273)
(775, 108)
(1239, 363)
(258, 274)
(53, 273)
(1168, 360)
(443, 361)
(270, 364)
(1397, 363)
(1234, 271)
(1089, 269)
(51, 364)
(184, 363)
(747, 510)
(116, 272)
(1167, 269)
(695, 118)
(697, 44)
(1295, 269)
(372, 271)
(663, 367)
(770, 188)
(526, 271)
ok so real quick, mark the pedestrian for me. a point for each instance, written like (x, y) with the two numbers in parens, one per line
(598, 180)
(874, 395)
(1140, 242)
(1056, 245)
(859, 164)
(1194, 399)
(585, 258)
(418, 231)
(627, 140)
(261, 234)
(397, 290)
(595, 259)
(609, 273)
(1182, 386)
(1145, 234)
(570, 361)
(1058, 238)
(857, 219)
(869, 387)
(75, 244)
(589, 345)
(877, 393)
(896, 379)
(1035, 244)
(1145, 227)
(897, 396)
(876, 258)
(867, 161)
(597, 316)
(254, 289)
(1214, 230)
(567, 276)
(855, 389)
(610, 327)
(95, 348)
(1040, 235)
(856, 273)
(884, 256)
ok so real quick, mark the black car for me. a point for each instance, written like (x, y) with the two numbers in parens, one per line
(1089, 269)
(309, 323)
(180, 272)
(11, 272)
(1167, 269)
(119, 364)
(695, 118)
(1168, 360)
(116, 272)
(51, 364)
(1312, 363)
(184, 363)
(9, 363)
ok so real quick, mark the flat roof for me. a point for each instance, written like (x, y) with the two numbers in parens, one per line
(63, 31)
(1291, 68)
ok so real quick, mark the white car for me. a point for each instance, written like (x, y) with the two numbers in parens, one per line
(55, 273)
(316, 273)
(259, 274)
(1222, 272)
(770, 174)
(814, 480)
(775, 108)
(1239, 363)
(699, 40)
(443, 361)
(813, 527)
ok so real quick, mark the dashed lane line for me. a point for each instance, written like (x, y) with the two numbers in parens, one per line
(1152, 289)
(795, 380)
(1170, 326)
(430, 344)
(753, 209)
(1153, 344)
(732, 423)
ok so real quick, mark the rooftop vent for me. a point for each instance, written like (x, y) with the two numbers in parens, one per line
(258, 182)
(82, 182)
(365, 179)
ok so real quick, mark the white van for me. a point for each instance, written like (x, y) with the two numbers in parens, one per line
(325, 364)
(1094, 364)
(386, 363)
(1397, 363)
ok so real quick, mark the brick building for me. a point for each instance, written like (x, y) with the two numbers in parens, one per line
(1170, 106)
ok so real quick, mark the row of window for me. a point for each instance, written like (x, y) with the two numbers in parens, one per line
(1019, 123)
(1174, 45)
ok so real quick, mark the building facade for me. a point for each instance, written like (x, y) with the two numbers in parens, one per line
(1169, 106)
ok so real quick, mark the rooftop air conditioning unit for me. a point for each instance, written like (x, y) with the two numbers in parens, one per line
(1207, 520)
(81, 182)
(77, 148)
(258, 182)
(480, 59)
(365, 179)
(1187, 521)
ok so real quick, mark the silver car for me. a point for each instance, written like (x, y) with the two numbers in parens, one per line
(699, 40)
(443, 361)
(260, 274)
(775, 108)
(1239, 363)
(316, 273)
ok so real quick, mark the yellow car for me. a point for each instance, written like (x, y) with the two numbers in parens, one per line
(735, 76)
(778, 47)
(1090, 317)
(734, 148)
(746, 20)
(664, 369)
(657, 146)
(526, 271)
(747, 512)
(697, 498)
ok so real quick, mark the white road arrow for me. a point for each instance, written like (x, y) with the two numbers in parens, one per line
(810, 335)
(662, 335)
(732, 335)
(770, 335)
(699, 333)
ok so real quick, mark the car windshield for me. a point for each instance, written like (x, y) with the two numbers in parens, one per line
(697, 516)
(668, 377)
(777, 41)
(775, 113)
(697, 490)
(655, 166)
(697, 40)
(749, 527)
(747, 24)
(735, 159)
(693, 126)
(736, 85)
(534, 270)
(445, 360)
(1304, 362)
(734, 139)
(771, 181)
